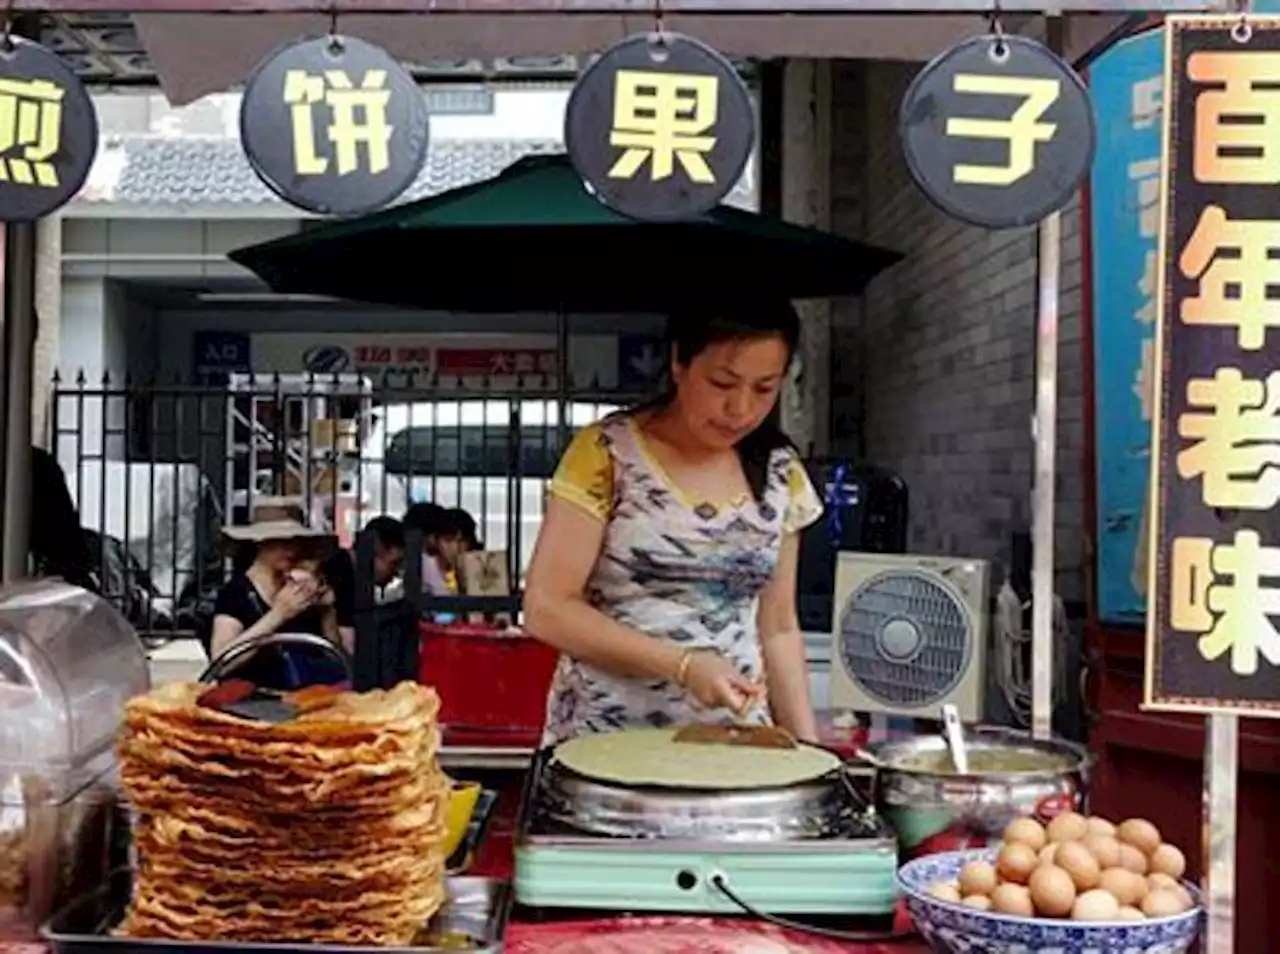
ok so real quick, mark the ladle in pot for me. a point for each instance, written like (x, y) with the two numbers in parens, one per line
(953, 732)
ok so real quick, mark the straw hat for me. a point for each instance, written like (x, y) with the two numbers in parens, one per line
(275, 519)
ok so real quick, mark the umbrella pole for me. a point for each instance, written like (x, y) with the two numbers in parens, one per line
(562, 377)
(19, 354)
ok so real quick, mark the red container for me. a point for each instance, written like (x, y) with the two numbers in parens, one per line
(489, 680)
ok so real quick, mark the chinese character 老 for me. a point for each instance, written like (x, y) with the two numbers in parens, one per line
(1233, 290)
(357, 117)
(1147, 102)
(1237, 128)
(662, 119)
(31, 128)
(1217, 592)
(1233, 424)
(1022, 130)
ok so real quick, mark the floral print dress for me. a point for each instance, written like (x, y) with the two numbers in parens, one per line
(688, 571)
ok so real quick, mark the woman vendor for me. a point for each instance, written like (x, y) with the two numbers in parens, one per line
(276, 589)
(665, 569)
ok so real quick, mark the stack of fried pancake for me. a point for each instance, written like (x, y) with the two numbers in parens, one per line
(326, 828)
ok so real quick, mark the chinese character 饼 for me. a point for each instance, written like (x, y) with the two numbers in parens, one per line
(664, 118)
(357, 117)
(1144, 384)
(1147, 102)
(1235, 439)
(1233, 290)
(1217, 592)
(1022, 130)
(1237, 128)
(31, 128)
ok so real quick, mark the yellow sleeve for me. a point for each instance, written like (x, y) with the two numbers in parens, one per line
(804, 506)
(584, 476)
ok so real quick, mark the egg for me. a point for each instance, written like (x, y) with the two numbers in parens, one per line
(1048, 854)
(1105, 848)
(1076, 860)
(1168, 860)
(1161, 903)
(1158, 879)
(1140, 833)
(979, 902)
(1127, 913)
(1096, 905)
(1069, 826)
(1027, 831)
(1125, 886)
(977, 877)
(1013, 899)
(1016, 862)
(945, 891)
(1052, 891)
(1133, 859)
(1100, 826)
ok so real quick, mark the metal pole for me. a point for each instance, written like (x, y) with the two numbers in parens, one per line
(19, 355)
(1221, 777)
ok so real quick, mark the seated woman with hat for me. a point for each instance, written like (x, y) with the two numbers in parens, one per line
(278, 592)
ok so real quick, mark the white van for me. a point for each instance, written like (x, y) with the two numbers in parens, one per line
(491, 458)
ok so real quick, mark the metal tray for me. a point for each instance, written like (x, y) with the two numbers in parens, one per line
(477, 907)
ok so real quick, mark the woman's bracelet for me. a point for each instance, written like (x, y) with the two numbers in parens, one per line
(682, 669)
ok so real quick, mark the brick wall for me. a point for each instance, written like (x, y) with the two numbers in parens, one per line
(933, 371)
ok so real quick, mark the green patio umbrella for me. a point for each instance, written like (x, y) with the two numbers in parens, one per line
(533, 239)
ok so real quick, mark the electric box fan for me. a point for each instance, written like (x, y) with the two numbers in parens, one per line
(909, 634)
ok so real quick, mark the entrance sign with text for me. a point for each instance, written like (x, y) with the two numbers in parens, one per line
(997, 131)
(48, 132)
(660, 127)
(334, 126)
(1212, 639)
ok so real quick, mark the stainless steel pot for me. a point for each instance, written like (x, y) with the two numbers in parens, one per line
(934, 811)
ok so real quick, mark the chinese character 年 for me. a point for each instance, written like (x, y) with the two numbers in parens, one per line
(1022, 130)
(1218, 592)
(1235, 439)
(1233, 290)
(1237, 127)
(662, 119)
(30, 132)
(357, 117)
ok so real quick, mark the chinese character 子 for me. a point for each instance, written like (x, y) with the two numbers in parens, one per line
(664, 118)
(1234, 287)
(1237, 127)
(1022, 130)
(30, 132)
(1235, 439)
(357, 117)
(1217, 591)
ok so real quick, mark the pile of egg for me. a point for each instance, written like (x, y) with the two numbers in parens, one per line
(1085, 869)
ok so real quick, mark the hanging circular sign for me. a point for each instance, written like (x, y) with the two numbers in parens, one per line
(48, 131)
(660, 127)
(998, 131)
(334, 125)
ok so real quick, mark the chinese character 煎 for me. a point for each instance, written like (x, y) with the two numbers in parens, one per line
(346, 131)
(1233, 290)
(31, 124)
(1235, 441)
(1237, 132)
(1234, 615)
(1022, 130)
(663, 118)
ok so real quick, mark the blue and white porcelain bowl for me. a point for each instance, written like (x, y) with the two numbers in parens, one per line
(953, 929)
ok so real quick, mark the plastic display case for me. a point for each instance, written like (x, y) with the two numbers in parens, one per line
(68, 664)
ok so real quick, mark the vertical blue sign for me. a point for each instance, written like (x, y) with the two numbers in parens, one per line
(1126, 86)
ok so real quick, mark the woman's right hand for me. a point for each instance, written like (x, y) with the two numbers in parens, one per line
(717, 684)
(294, 598)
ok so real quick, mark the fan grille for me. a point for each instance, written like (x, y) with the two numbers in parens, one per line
(905, 638)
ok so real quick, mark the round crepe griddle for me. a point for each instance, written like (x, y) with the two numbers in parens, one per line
(643, 758)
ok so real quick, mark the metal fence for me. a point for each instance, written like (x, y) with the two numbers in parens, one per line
(156, 469)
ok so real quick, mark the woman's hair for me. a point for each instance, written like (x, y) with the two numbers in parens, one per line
(689, 335)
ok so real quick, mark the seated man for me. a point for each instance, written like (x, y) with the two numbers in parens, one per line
(339, 570)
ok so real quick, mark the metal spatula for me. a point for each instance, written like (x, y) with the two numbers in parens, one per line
(750, 736)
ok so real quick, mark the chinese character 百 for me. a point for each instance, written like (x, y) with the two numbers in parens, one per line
(357, 116)
(1237, 129)
(1235, 439)
(1217, 592)
(1022, 130)
(31, 127)
(1233, 290)
(1144, 384)
(1147, 97)
(663, 118)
